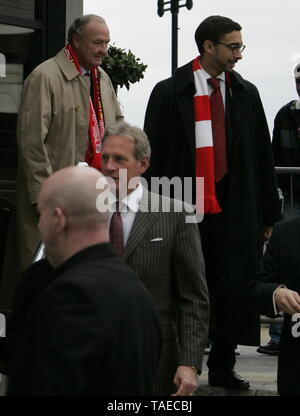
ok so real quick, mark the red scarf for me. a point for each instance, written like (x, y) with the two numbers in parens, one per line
(96, 121)
(204, 140)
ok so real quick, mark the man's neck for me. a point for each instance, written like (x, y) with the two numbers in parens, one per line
(76, 243)
(207, 65)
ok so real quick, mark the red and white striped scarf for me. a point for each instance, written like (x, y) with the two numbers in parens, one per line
(204, 140)
(96, 119)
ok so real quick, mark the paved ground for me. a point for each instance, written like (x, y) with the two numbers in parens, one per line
(259, 369)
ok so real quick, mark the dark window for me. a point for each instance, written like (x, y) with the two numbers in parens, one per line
(24, 9)
(20, 51)
(30, 32)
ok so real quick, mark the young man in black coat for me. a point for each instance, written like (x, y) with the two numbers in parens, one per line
(276, 289)
(243, 204)
(82, 324)
(286, 147)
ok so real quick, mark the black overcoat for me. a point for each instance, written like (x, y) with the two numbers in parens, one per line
(252, 201)
(87, 328)
(281, 265)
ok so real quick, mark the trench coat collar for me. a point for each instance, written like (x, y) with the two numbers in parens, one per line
(66, 66)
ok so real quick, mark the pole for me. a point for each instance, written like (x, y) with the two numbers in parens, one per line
(173, 6)
(174, 11)
(174, 42)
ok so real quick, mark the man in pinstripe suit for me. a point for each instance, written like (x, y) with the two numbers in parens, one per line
(165, 252)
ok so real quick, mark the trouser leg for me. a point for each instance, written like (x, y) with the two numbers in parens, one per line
(215, 249)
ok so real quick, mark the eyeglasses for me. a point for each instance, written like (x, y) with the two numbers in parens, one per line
(234, 46)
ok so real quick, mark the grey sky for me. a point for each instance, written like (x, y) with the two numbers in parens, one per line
(270, 32)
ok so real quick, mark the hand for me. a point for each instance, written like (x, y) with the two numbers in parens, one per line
(186, 380)
(287, 300)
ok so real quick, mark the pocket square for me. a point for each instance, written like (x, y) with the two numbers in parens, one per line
(157, 239)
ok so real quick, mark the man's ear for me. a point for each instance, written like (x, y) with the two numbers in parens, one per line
(60, 220)
(208, 46)
(144, 164)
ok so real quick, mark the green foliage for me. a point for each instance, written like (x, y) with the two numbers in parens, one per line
(123, 67)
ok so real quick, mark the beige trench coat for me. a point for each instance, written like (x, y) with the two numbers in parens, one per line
(52, 133)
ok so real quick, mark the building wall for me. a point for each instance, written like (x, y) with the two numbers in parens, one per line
(74, 8)
(30, 32)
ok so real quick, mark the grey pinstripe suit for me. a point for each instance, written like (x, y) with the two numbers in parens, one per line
(165, 252)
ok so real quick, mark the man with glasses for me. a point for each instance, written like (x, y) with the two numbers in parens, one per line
(67, 101)
(207, 121)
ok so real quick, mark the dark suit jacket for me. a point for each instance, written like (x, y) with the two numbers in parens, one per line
(89, 329)
(165, 252)
(281, 265)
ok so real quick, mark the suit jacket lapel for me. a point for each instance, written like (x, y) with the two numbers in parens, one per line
(144, 220)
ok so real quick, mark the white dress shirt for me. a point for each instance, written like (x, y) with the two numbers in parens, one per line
(84, 71)
(222, 79)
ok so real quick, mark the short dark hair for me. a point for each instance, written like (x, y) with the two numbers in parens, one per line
(213, 28)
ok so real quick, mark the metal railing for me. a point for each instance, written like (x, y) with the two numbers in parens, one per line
(266, 320)
(289, 171)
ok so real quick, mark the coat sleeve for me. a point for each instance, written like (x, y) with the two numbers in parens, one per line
(157, 127)
(267, 279)
(271, 208)
(192, 301)
(34, 121)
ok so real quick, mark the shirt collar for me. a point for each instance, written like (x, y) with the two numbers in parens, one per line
(207, 75)
(133, 200)
(84, 71)
(130, 202)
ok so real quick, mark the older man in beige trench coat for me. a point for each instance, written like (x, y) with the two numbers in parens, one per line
(54, 119)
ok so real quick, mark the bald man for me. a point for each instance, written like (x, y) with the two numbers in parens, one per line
(72, 313)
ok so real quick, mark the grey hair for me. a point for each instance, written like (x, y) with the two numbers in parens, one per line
(121, 128)
(79, 24)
